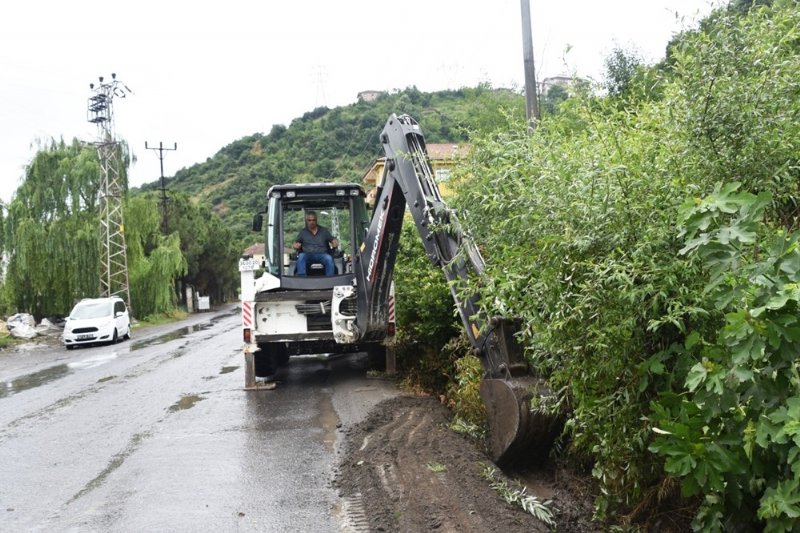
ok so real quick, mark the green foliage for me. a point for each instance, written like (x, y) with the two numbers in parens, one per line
(425, 307)
(518, 496)
(577, 223)
(53, 224)
(621, 69)
(155, 262)
(330, 145)
(52, 232)
(464, 392)
(733, 435)
(210, 249)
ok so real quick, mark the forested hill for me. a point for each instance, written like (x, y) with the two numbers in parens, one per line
(329, 145)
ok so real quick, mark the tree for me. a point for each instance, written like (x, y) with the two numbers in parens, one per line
(52, 223)
(155, 262)
(621, 68)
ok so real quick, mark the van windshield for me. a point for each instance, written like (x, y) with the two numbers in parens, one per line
(91, 310)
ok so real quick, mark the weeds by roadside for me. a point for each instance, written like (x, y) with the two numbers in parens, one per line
(518, 496)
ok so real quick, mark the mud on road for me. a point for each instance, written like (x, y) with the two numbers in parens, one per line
(403, 469)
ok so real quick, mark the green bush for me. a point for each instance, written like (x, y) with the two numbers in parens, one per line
(579, 227)
(464, 392)
(733, 433)
(426, 318)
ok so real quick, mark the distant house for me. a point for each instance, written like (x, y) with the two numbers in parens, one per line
(558, 81)
(442, 156)
(256, 251)
(369, 96)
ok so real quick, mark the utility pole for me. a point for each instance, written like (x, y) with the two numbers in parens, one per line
(163, 188)
(114, 260)
(531, 96)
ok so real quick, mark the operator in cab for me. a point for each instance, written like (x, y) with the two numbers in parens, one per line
(313, 244)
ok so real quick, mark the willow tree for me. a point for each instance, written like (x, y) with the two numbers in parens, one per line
(51, 231)
(155, 262)
(53, 244)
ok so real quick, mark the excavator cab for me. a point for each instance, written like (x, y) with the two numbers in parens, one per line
(340, 209)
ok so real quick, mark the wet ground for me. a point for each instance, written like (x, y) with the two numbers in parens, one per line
(157, 434)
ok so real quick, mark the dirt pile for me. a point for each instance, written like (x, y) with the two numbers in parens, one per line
(409, 472)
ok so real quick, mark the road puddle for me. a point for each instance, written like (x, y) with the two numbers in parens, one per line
(31, 381)
(329, 421)
(171, 336)
(43, 377)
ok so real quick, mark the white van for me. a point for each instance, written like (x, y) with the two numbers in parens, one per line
(94, 320)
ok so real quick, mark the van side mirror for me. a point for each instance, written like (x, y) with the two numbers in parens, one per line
(258, 222)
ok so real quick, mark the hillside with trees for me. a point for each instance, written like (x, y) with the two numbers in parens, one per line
(330, 145)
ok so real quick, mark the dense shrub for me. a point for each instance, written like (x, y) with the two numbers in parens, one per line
(580, 226)
(426, 317)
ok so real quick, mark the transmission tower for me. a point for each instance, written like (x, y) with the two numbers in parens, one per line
(114, 267)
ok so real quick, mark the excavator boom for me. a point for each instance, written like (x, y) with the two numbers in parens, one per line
(516, 435)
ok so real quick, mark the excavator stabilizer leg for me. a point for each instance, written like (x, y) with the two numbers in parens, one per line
(517, 436)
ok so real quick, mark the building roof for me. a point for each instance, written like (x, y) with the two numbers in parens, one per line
(443, 152)
(256, 249)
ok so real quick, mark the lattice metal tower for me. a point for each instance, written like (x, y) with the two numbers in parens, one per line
(114, 259)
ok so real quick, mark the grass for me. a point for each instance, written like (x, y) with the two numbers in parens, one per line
(436, 467)
(161, 318)
(7, 341)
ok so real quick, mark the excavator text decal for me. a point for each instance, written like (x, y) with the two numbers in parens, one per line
(376, 245)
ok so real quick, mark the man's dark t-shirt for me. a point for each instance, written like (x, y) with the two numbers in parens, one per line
(315, 244)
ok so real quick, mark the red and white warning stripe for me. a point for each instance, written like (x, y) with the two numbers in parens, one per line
(247, 314)
(391, 308)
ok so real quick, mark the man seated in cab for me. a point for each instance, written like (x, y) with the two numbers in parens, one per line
(314, 241)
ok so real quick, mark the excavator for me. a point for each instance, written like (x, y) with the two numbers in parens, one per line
(285, 314)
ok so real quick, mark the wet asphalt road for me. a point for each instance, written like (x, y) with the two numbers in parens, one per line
(157, 434)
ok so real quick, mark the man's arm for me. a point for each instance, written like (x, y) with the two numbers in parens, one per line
(298, 242)
(333, 242)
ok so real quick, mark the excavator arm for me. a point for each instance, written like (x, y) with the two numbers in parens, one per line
(515, 434)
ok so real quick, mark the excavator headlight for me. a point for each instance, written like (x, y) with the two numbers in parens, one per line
(353, 192)
(340, 192)
(276, 194)
(290, 194)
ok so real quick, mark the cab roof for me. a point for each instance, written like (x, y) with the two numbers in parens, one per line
(316, 189)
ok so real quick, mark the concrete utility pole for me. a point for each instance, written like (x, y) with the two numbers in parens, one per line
(163, 188)
(531, 94)
(114, 266)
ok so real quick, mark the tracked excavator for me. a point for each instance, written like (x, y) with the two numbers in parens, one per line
(285, 314)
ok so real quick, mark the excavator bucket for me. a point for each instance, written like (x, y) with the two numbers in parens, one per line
(518, 436)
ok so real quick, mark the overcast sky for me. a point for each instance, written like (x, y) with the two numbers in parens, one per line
(204, 74)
